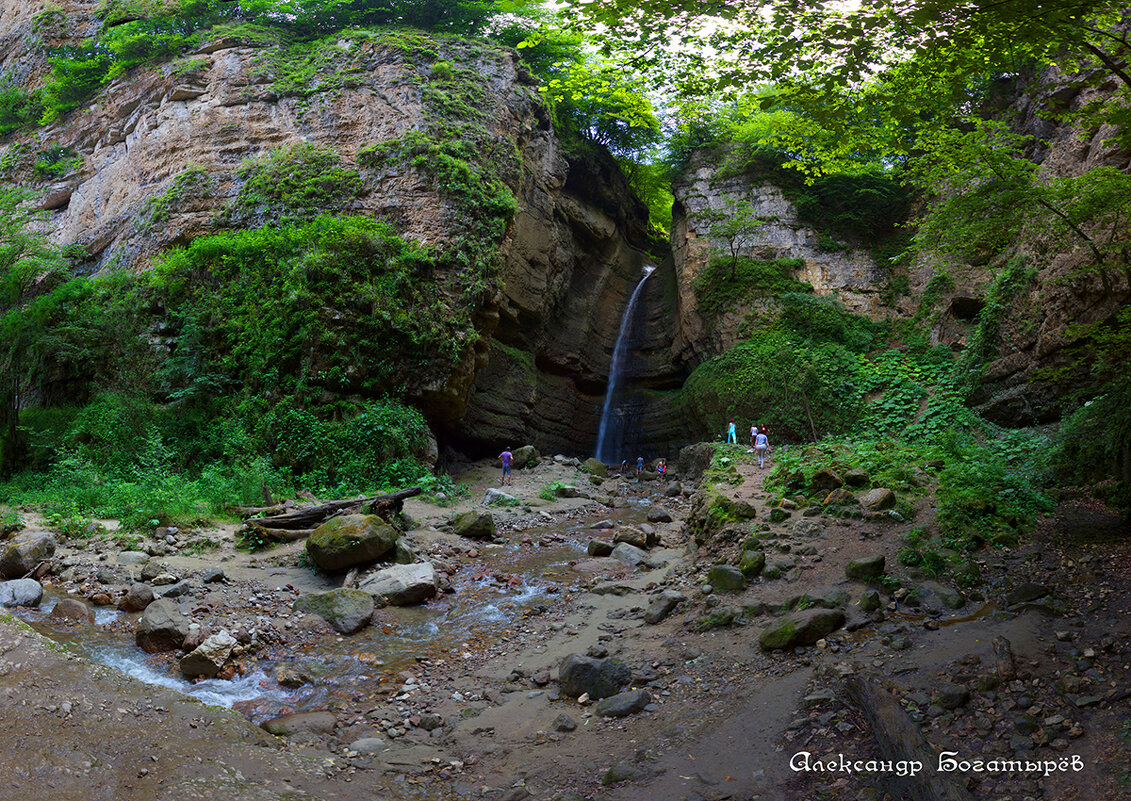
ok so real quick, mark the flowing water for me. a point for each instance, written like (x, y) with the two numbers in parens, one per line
(611, 433)
(491, 595)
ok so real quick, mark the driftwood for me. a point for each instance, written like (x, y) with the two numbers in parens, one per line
(306, 519)
(900, 739)
(283, 534)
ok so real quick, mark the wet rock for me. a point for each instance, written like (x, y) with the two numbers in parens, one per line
(801, 628)
(1027, 593)
(751, 563)
(673, 490)
(633, 536)
(595, 467)
(867, 569)
(726, 578)
(349, 540)
(137, 598)
(623, 704)
(20, 592)
(290, 677)
(289, 725)
(598, 678)
(563, 723)
(827, 479)
(346, 610)
(950, 598)
(162, 627)
(526, 456)
(101, 599)
(952, 696)
(662, 606)
(659, 515)
(73, 609)
(878, 500)
(213, 575)
(403, 585)
(209, 657)
(21, 554)
(603, 525)
(869, 601)
(839, 497)
(599, 548)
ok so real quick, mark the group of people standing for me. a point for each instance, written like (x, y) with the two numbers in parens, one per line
(759, 440)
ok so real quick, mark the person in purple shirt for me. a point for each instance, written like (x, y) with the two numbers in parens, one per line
(507, 458)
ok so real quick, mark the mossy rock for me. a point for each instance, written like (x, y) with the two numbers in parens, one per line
(595, 467)
(751, 563)
(475, 525)
(745, 510)
(346, 610)
(720, 618)
(349, 540)
(868, 569)
(726, 578)
(801, 628)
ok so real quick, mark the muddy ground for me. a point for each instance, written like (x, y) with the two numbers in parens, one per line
(473, 710)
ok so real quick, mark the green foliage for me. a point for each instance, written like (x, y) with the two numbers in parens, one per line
(549, 491)
(1015, 277)
(297, 181)
(252, 539)
(193, 182)
(58, 161)
(10, 522)
(916, 552)
(725, 284)
(18, 106)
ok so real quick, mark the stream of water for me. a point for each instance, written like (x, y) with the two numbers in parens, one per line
(610, 435)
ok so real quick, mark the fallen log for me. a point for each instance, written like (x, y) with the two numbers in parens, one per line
(311, 516)
(283, 534)
(901, 741)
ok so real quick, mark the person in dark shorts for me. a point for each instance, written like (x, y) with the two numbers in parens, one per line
(507, 458)
(639, 465)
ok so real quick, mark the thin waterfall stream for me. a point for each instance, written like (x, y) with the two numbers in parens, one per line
(607, 434)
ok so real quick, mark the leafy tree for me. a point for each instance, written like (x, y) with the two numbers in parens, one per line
(737, 227)
(30, 265)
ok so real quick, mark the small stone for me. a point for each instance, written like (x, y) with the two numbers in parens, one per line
(563, 723)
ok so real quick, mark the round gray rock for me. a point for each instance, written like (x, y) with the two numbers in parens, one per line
(20, 592)
(21, 554)
(600, 678)
(162, 627)
(346, 610)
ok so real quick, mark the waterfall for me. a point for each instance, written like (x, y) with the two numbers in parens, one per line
(607, 439)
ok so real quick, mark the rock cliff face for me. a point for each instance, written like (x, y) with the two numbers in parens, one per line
(568, 260)
(1034, 333)
(850, 273)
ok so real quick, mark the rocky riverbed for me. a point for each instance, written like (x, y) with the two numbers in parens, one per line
(592, 646)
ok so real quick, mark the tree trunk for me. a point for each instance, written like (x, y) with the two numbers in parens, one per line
(311, 517)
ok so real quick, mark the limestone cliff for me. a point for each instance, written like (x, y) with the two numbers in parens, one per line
(846, 271)
(161, 152)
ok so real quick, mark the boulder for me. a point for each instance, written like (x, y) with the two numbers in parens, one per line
(629, 554)
(496, 497)
(633, 536)
(869, 568)
(856, 478)
(826, 479)
(662, 606)
(526, 456)
(599, 678)
(402, 585)
(162, 627)
(21, 554)
(132, 557)
(801, 628)
(827, 598)
(346, 610)
(808, 529)
(751, 563)
(474, 525)
(659, 515)
(599, 548)
(20, 592)
(137, 598)
(73, 609)
(369, 745)
(348, 540)
(869, 601)
(778, 566)
(726, 578)
(745, 510)
(839, 497)
(405, 553)
(313, 722)
(952, 599)
(623, 704)
(567, 491)
(878, 500)
(695, 459)
(651, 536)
(778, 514)
(673, 490)
(596, 467)
(213, 575)
(209, 657)
(952, 696)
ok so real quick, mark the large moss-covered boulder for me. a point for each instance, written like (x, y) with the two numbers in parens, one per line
(349, 540)
(751, 563)
(596, 467)
(726, 578)
(827, 479)
(526, 456)
(21, 554)
(346, 610)
(801, 628)
(475, 525)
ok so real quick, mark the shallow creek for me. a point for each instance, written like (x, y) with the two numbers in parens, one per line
(491, 595)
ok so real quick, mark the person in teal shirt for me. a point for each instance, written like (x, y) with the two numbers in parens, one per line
(732, 433)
